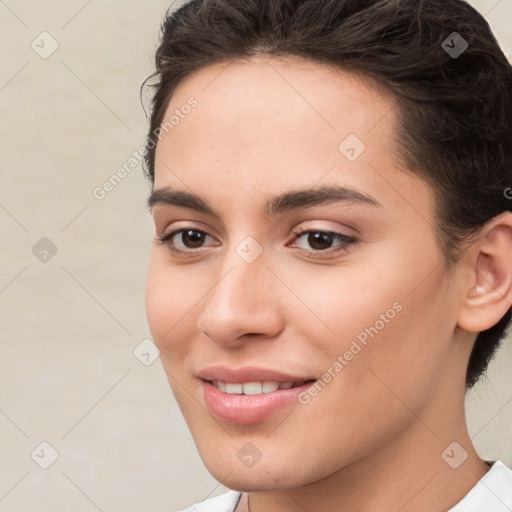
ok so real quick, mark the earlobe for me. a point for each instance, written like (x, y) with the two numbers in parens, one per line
(488, 294)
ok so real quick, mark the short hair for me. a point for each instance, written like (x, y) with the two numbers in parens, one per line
(453, 103)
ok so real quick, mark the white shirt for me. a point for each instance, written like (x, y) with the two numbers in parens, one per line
(492, 493)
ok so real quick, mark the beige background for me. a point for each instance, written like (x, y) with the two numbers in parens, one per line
(69, 325)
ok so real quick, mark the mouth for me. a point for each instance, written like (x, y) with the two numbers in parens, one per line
(250, 394)
(256, 387)
(248, 403)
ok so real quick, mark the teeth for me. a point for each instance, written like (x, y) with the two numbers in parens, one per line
(268, 386)
(253, 388)
(233, 388)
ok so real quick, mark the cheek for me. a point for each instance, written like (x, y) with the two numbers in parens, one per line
(158, 303)
(167, 305)
(391, 319)
(169, 314)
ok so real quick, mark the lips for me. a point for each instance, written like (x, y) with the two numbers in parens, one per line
(249, 395)
(248, 374)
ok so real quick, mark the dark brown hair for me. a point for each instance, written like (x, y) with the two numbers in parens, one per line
(454, 110)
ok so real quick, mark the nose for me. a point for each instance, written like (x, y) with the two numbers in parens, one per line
(243, 301)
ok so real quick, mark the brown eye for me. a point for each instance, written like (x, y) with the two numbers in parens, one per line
(321, 243)
(192, 238)
(184, 240)
(320, 240)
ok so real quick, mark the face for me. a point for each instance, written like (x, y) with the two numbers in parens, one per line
(308, 256)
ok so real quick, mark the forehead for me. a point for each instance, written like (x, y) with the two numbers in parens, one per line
(262, 124)
(301, 97)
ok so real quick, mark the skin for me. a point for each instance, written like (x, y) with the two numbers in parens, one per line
(372, 439)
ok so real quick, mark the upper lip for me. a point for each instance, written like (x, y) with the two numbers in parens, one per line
(247, 374)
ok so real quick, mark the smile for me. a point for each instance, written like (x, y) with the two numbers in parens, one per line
(253, 388)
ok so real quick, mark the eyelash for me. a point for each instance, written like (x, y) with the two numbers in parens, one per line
(345, 242)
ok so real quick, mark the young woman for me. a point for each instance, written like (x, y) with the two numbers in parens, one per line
(331, 270)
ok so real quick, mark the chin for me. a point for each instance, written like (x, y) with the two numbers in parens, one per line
(272, 474)
(248, 479)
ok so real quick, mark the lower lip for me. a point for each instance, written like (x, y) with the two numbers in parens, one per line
(249, 409)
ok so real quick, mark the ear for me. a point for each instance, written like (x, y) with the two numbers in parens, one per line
(488, 294)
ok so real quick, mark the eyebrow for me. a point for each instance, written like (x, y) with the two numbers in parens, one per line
(292, 200)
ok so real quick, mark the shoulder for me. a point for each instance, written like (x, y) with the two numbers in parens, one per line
(223, 503)
(492, 492)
